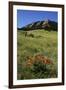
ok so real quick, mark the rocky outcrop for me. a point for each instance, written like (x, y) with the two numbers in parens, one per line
(47, 25)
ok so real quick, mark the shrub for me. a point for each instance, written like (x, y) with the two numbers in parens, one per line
(29, 34)
(41, 70)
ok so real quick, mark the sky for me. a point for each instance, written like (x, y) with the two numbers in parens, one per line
(25, 17)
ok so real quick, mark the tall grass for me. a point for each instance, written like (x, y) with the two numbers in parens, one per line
(44, 43)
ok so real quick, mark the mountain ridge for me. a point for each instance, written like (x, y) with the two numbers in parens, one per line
(47, 25)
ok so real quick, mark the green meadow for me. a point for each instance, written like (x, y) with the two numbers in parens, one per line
(32, 43)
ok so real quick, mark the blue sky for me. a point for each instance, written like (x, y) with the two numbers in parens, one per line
(25, 17)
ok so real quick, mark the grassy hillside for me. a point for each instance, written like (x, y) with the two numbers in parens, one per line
(30, 44)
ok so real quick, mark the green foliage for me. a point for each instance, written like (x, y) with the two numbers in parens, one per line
(42, 70)
(39, 67)
(43, 42)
